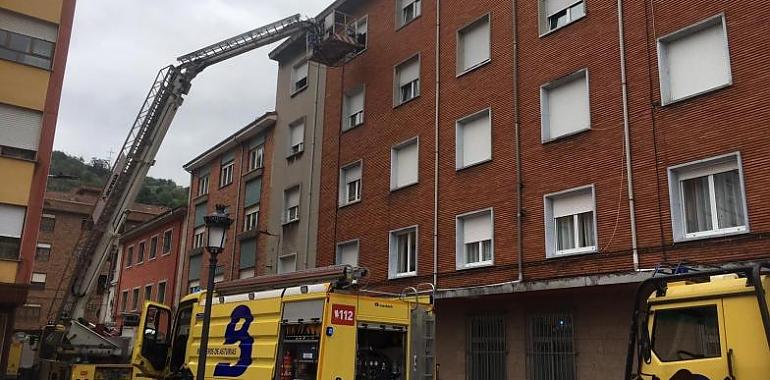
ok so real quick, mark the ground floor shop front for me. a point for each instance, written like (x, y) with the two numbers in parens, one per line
(563, 334)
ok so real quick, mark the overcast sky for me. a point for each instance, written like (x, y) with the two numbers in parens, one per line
(117, 49)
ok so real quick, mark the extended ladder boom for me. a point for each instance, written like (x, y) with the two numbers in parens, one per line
(142, 144)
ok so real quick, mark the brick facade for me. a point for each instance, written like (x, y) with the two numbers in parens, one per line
(155, 268)
(232, 196)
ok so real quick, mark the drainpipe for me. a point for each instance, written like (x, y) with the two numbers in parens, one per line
(435, 145)
(181, 249)
(627, 138)
(313, 162)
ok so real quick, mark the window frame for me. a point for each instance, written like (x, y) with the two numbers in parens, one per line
(51, 218)
(256, 157)
(417, 83)
(38, 284)
(30, 51)
(169, 232)
(400, 20)
(697, 169)
(294, 90)
(158, 293)
(247, 214)
(343, 197)
(393, 254)
(338, 250)
(544, 19)
(286, 208)
(458, 39)
(153, 254)
(199, 231)
(135, 299)
(532, 370)
(545, 119)
(358, 22)
(291, 152)
(551, 233)
(459, 123)
(663, 73)
(147, 297)
(460, 244)
(347, 124)
(393, 185)
(140, 251)
(129, 257)
(124, 301)
(203, 185)
(282, 257)
(44, 246)
(226, 172)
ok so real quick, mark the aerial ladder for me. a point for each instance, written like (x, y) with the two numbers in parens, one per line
(329, 43)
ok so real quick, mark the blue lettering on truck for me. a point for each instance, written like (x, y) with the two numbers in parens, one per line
(242, 338)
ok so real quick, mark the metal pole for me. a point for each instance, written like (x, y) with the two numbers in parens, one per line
(207, 316)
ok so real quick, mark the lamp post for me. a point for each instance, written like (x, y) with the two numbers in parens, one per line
(217, 225)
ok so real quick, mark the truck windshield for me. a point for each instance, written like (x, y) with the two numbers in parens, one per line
(181, 334)
(686, 333)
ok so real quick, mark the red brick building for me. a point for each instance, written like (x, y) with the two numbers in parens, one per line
(60, 229)
(232, 173)
(503, 177)
(148, 265)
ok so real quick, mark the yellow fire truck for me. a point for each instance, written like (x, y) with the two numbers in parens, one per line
(709, 325)
(285, 328)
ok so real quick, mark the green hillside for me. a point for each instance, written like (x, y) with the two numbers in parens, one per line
(76, 172)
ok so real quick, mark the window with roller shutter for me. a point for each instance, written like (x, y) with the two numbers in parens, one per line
(475, 239)
(404, 164)
(570, 222)
(565, 106)
(473, 45)
(474, 139)
(11, 225)
(407, 81)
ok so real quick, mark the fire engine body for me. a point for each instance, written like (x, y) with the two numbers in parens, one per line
(711, 325)
(299, 332)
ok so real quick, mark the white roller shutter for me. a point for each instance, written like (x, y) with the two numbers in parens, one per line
(553, 6)
(352, 173)
(474, 44)
(408, 71)
(297, 133)
(477, 227)
(573, 203)
(567, 108)
(475, 140)
(300, 71)
(19, 127)
(405, 165)
(698, 62)
(356, 102)
(28, 26)
(292, 197)
(11, 220)
(348, 254)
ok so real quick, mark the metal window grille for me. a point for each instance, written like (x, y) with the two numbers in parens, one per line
(485, 350)
(551, 347)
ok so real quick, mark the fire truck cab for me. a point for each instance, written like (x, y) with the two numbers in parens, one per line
(324, 330)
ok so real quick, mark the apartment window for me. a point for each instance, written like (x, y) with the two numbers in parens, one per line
(161, 297)
(124, 301)
(257, 157)
(226, 173)
(194, 286)
(555, 14)
(203, 185)
(130, 256)
(570, 222)
(135, 299)
(291, 204)
(347, 253)
(296, 138)
(153, 247)
(473, 45)
(354, 108)
(407, 11)
(362, 29)
(287, 264)
(475, 246)
(26, 49)
(565, 106)
(403, 252)
(251, 219)
(140, 253)
(11, 223)
(48, 223)
(30, 311)
(38, 280)
(148, 293)
(404, 164)
(708, 198)
(253, 192)
(43, 252)
(407, 80)
(198, 237)
(194, 271)
(200, 214)
(474, 139)
(248, 256)
(350, 184)
(299, 77)
(694, 60)
(485, 347)
(551, 347)
(167, 240)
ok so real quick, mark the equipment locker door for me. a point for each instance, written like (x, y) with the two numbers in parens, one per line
(153, 340)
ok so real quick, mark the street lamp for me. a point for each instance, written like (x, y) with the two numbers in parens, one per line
(217, 225)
